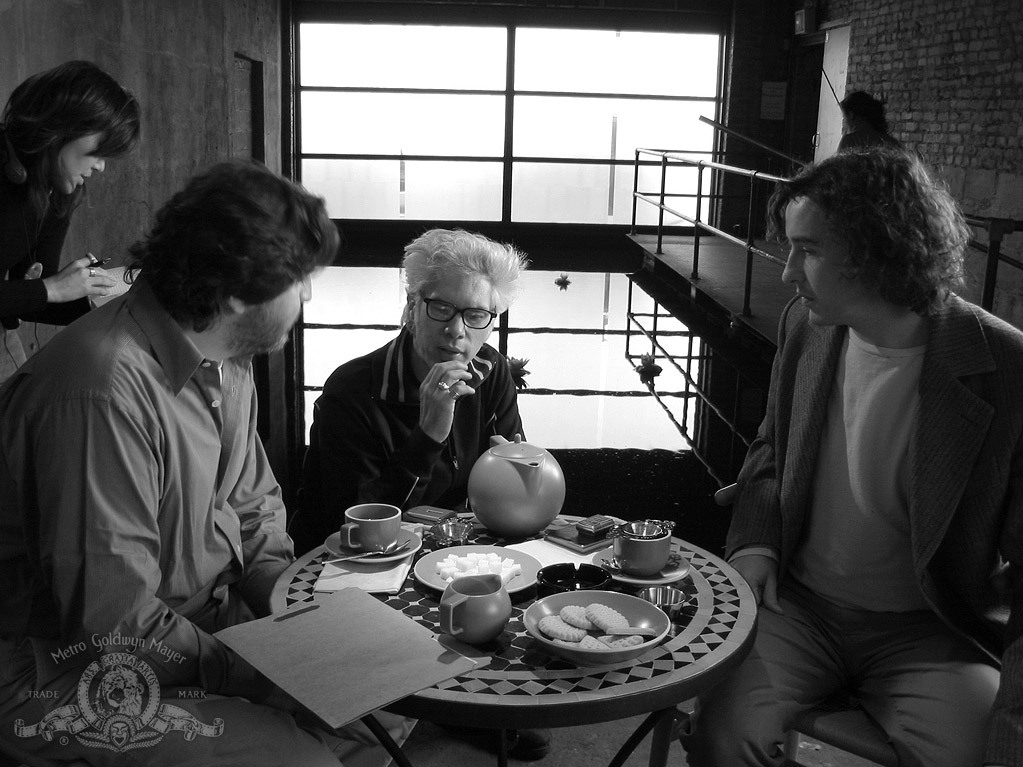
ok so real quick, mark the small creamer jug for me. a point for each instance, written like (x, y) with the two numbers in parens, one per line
(475, 608)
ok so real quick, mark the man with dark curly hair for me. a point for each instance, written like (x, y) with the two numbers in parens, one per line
(139, 514)
(878, 515)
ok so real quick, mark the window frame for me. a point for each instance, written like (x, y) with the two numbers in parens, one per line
(703, 17)
(377, 241)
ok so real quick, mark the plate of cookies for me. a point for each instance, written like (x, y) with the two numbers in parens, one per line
(591, 628)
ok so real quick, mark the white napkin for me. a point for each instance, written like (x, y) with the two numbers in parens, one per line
(385, 578)
(381, 578)
(547, 553)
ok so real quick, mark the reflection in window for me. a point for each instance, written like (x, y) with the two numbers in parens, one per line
(391, 189)
(574, 340)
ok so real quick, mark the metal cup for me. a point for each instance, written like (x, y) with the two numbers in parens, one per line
(668, 599)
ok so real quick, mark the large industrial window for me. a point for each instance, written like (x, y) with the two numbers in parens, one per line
(496, 128)
(505, 124)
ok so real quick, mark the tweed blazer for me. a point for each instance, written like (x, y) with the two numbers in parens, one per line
(966, 484)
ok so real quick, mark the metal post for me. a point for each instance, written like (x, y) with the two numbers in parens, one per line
(660, 208)
(635, 191)
(696, 226)
(747, 288)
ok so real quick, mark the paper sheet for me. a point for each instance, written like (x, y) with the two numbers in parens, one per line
(329, 656)
(117, 273)
(551, 554)
(376, 579)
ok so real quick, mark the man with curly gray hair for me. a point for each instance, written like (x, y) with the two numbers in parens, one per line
(404, 424)
(879, 510)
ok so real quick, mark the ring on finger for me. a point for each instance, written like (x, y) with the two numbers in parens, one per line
(443, 385)
(92, 272)
(453, 394)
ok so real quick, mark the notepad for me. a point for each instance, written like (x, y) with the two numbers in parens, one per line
(329, 656)
(121, 287)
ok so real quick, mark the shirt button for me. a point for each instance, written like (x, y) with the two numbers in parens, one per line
(206, 364)
(215, 403)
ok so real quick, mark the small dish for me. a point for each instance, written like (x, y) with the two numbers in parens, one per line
(568, 576)
(667, 598)
(335, 549)
(637, 611)
(451, 532)
(676, 569)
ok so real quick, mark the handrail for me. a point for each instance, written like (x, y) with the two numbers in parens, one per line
(996, 229)
(754, 142)
(699, 225)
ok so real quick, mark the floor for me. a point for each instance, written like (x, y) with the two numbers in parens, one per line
(721, 277)
(590, 746)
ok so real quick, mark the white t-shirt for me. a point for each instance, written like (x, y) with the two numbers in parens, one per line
(857, 549)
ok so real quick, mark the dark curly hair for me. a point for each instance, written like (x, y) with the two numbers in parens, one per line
(905, 232)
(63, 104)
(237, 230)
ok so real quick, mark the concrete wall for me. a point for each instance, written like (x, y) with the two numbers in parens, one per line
(952, 74)
(178, 57)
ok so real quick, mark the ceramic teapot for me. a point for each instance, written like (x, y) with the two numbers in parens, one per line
(516, 489)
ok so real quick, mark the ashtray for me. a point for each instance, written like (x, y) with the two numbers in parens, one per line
(566, 576)
(451, 532)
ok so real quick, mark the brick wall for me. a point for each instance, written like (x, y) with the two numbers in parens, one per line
(952, 75)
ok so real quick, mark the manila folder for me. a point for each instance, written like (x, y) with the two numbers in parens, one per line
(345, 655)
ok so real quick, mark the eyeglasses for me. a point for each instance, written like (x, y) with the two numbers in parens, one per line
(442, 311)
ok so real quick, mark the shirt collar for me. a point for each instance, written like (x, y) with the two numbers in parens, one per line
(176, 354)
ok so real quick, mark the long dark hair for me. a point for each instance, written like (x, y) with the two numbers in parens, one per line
(60, 105)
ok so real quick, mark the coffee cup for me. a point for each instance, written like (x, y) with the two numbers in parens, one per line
(475, 608)
(371, 527)
(642, 548)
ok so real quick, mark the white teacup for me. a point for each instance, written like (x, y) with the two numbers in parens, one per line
(371, 527)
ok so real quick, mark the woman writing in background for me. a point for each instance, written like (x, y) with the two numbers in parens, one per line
(57, 129)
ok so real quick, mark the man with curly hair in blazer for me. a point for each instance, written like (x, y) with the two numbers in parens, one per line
(878, 517)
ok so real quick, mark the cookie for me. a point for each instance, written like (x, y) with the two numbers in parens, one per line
(575, 615)
(605, 617)
(591, 643)
(555, 628)
(622, 641)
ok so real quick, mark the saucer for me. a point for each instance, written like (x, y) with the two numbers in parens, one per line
(335, 549)
(676, 569)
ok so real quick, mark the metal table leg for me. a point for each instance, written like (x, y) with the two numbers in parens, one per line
(386, 741)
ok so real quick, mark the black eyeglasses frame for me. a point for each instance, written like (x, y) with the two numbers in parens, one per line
(455, 310)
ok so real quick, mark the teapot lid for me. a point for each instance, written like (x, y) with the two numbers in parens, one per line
(518, 449)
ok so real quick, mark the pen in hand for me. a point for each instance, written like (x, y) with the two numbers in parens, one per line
(93, 261)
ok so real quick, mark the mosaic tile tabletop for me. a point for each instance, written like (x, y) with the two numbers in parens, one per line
(521, 672)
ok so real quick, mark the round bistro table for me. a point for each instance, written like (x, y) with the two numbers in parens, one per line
(524, 687)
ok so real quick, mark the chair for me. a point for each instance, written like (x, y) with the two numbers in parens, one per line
(838, 721)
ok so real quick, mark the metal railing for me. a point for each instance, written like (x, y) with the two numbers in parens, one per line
(997, 229)
(699, 225)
